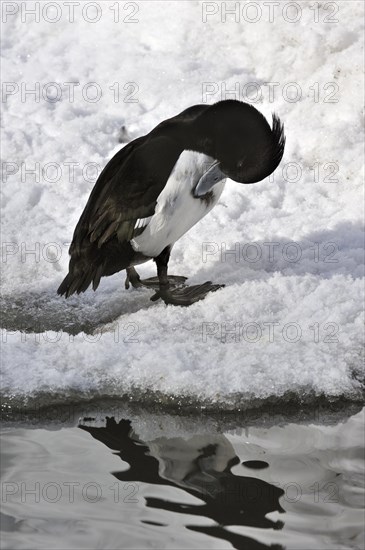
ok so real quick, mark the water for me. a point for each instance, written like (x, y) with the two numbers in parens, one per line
(121, 476)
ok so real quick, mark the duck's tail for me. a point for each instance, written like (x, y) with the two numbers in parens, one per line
(90, 263)
(79, 278)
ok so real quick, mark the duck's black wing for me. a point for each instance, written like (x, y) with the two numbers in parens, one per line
(126, 191)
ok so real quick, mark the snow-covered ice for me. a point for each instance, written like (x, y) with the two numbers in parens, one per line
(289, 321)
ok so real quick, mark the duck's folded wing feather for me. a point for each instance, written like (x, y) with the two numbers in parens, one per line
(126, 191)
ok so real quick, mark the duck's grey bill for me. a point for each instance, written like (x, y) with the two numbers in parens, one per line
(209, 179)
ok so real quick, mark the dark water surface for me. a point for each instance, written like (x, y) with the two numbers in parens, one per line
(129, 478)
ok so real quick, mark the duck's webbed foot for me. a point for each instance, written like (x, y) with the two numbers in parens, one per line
(178, 295)
(186, 295)
(152, 282)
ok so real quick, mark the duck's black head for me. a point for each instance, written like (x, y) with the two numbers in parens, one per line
(239, 137)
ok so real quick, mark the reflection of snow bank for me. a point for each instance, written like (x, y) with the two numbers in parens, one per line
(189, 352)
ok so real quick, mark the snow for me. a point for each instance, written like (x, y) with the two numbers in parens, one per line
(289, 249)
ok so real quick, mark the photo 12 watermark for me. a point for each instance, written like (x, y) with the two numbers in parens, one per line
(70, 11)
(71, 92)
(50, 172)
(270, 12)
(254, 332)
(70, 492)
(118, 333)
(254, 492)
(270, 252)
(270, 92)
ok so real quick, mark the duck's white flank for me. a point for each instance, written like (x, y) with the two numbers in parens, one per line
(177, 210)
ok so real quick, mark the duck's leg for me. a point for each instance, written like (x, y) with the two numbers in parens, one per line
(152, 282)
(133, 278)
(183, 296)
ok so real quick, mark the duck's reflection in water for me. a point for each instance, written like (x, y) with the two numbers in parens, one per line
(201, 465)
